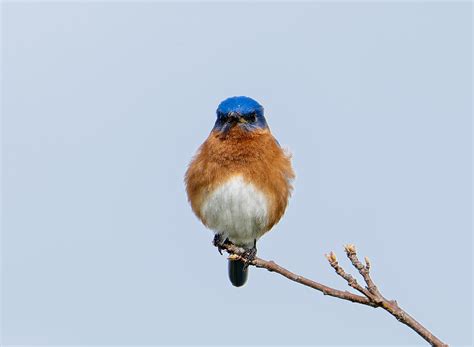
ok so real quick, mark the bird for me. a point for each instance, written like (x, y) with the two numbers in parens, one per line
(240, 180)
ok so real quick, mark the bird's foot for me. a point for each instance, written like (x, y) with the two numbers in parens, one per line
(218, 242)
(249, 256)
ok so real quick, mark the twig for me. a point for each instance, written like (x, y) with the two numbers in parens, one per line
(370, 294)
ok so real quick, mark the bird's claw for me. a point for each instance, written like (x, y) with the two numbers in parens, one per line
(249, 256)
(218, 242)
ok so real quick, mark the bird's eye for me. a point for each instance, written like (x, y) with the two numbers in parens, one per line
(251, 117)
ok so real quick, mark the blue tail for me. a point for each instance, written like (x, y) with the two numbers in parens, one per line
(238, 273)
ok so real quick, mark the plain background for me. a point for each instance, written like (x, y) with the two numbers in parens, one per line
(104, 104)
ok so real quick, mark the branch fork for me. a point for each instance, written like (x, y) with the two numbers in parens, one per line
(369, 293)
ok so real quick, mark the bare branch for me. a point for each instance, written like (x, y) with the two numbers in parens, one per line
(370, 294)
(351, 281)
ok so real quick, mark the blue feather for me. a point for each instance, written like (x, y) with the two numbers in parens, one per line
(243, 106)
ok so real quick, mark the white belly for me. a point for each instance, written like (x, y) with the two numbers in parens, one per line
(237, 210)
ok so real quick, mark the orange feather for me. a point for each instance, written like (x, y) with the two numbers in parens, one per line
(253, 154)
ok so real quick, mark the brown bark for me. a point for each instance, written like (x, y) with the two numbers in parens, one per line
(370, 293)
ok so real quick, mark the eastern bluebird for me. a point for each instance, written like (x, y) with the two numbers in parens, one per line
(239, 182)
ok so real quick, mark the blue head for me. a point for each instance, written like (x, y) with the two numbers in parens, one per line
(241, 111)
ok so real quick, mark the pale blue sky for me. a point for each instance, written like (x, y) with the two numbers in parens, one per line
(105, 103)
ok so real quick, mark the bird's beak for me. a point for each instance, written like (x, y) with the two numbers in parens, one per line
(236, 117)
(233, 119)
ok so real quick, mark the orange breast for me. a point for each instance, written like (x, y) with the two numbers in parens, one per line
(254, 155)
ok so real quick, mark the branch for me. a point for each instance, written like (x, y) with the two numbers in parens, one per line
(370, 294)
